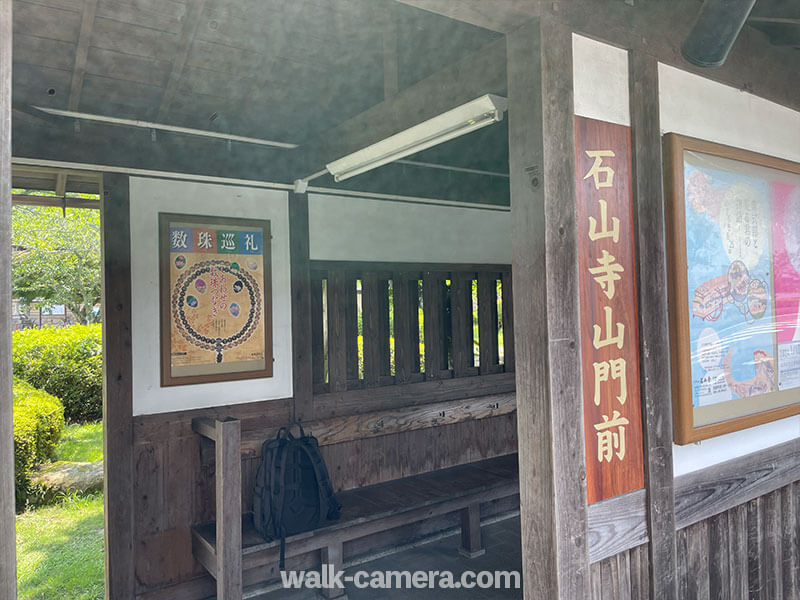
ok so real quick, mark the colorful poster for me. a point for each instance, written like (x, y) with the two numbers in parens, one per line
(217, 272)
(786, 253)
(609, 336)
(728, 222)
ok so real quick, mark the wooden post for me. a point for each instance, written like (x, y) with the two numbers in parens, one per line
(228, 449)
(117, 387)
(8, 556)
(555, 561)
(471, 543)
(302, 352)
(333, 561)
(653, 326)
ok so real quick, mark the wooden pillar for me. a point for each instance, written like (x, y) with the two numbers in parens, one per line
(8, 556)
(653, 325)
(228, 449)
(117, 388)
(555, 558)
(302, 364)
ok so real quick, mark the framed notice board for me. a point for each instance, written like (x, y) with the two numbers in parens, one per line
(215, 299)
(733, 225)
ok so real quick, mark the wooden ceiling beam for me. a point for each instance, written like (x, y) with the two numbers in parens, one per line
(82, 53)
(188, 32)
(502, 16)
(482, 72)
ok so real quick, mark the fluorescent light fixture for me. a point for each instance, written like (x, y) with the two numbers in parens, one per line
(163, 127)
(463, 119)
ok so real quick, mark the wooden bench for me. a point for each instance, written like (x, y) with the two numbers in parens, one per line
(230, 545)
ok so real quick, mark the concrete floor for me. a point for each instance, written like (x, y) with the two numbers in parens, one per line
(503, 553)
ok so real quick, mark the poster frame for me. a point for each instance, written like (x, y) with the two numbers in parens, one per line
(685, 430)
(165, 313)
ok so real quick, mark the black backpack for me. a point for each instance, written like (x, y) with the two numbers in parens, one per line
(293, 492)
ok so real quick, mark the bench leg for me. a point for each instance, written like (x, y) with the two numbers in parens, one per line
(333, 562)
(471, 545)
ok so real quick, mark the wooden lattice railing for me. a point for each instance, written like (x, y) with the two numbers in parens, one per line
(378, 324)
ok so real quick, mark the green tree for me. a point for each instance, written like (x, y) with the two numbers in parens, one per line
(56, 258)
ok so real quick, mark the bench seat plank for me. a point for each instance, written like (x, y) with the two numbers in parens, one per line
(378, 508)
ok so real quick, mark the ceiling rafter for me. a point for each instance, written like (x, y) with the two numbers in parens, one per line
(188, 33)
(82, 53)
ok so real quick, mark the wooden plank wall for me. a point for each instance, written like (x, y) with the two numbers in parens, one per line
(749, 551)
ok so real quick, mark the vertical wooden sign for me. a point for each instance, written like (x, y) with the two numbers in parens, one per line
(609, 332)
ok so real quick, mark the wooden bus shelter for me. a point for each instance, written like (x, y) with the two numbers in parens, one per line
(430, 320)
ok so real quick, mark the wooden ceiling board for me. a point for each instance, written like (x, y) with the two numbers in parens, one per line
(30, 84)
(44, 52)
(46, 22)
(223, 58)
(138, 99)
(75, 6)
(128, 67)
(161, 15)
(131, 39)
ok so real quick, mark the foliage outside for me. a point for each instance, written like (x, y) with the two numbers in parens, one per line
(38, 423)
(66, 362)
(57, 258)
(81, 443)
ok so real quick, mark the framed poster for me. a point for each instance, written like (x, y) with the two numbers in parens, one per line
(215, 302)
(733, 227)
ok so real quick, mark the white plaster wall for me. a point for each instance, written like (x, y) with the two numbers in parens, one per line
(600, 87)
(148, 197)
(352, 228)
(694, 106)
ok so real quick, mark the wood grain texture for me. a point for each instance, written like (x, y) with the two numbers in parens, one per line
(616, 525)
(386, 422)
(710, 491)
(302, 337)
(461, 323)
(552, 488)
(117, 388)
(337, 347)
(229, 510)
(607, 275)
(653, 326)
(8, 562)
(433, 311)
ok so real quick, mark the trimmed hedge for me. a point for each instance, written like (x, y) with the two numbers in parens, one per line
(67, 362)
(38, 423)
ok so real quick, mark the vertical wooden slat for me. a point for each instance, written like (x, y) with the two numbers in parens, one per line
(461, 319)
(755, 548)
(596, 581)
(487, 322)
(683, 570)
(302, 344)
(403, 325)
(737, 522)
(508, 321)
(372, 323)
(789, 538)
(229, 509)
(432, 325)
(719, 558)
(118, 387)
(555, 561)
(653, 327)
(317, 331)
(773, 550)
(351, 327)
(8, 561)
(337, 343)
(697, 559)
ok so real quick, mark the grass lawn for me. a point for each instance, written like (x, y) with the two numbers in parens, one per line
(81, 443)
(60, 551)
(60, 547)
